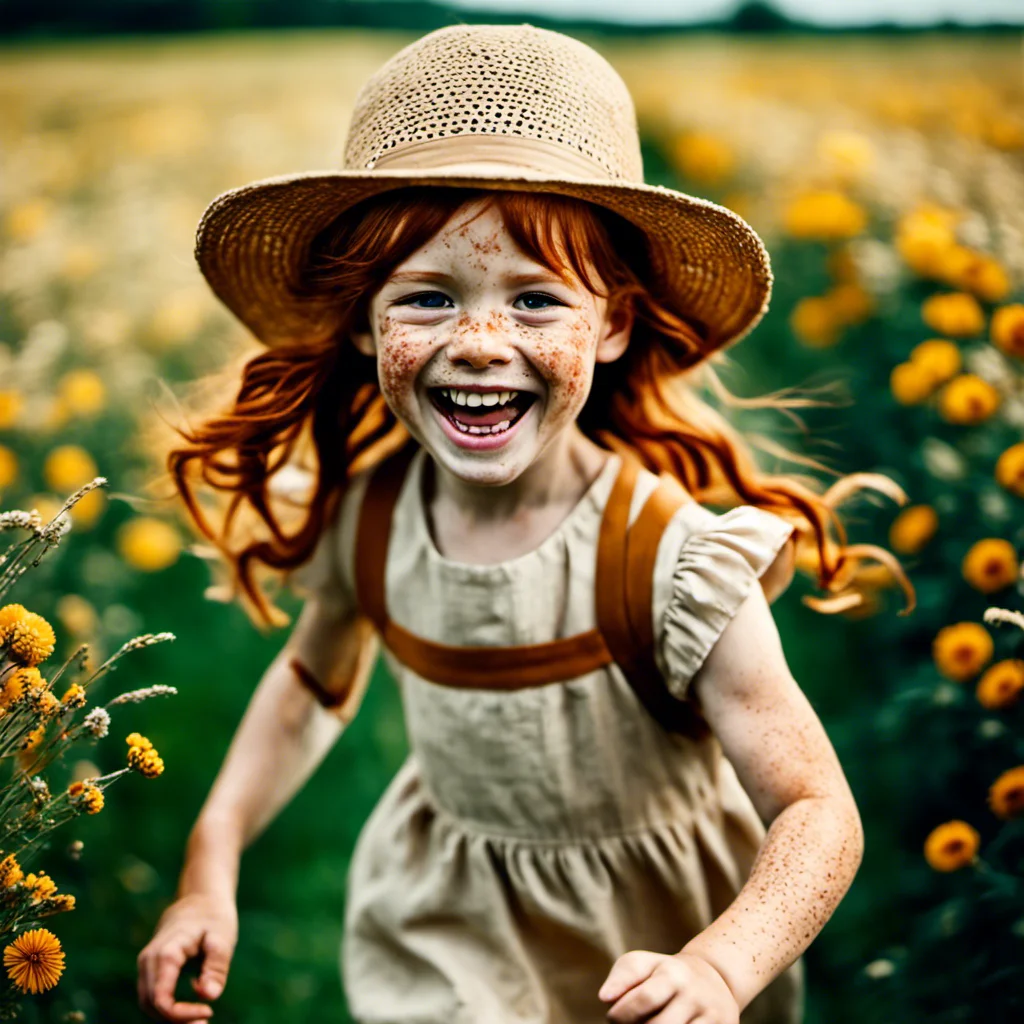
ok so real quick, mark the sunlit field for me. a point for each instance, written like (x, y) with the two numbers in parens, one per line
(887, 178)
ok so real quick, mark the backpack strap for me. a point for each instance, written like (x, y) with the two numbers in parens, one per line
(479, 666)
(628, 624)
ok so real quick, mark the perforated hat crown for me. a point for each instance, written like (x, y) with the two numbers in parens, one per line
(504, 107)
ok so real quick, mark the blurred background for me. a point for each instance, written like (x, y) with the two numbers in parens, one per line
(877, 146)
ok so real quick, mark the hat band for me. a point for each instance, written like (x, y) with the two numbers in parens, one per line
(510, 153)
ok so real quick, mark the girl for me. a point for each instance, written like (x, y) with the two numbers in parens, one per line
(491, 329)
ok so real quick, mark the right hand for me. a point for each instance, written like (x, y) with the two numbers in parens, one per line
(193, 924)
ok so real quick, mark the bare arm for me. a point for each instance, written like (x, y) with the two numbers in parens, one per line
(283, 736)
(787, 765)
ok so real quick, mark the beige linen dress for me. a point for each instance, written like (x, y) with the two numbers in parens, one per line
(533, 836)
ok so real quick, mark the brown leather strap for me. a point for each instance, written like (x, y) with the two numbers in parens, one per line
(638, 663)
(374, 531)
(310, 681)
(498, 668)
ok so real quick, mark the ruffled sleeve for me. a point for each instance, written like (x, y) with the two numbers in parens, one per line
(718, 563)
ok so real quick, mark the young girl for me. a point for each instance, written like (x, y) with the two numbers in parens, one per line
(488, 329)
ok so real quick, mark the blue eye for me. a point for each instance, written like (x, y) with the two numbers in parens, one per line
(414, 299)
(547, 299)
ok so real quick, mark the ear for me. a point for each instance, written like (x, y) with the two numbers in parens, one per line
(363, 341)
(615, 337)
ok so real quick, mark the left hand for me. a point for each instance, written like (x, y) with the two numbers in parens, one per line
(683, 987)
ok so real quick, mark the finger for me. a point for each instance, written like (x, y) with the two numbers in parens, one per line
(169, 964)
(216, 962)
(644, 999)
(680, 1011)
(630, 969)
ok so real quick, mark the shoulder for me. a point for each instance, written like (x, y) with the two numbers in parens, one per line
(709, 565)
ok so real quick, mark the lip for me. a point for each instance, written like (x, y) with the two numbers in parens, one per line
(480, 442)
(481, 388)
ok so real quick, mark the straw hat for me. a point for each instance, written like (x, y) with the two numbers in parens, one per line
(492, 107)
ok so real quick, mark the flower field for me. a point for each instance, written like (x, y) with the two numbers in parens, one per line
(887, 178)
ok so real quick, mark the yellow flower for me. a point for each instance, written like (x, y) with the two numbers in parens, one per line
(74, 697)
(147, 762)
(851, 301)
(824, 215)
(1006, 794)
(40, 885)
(1000, 686)
(910, 383)
(951, 846)
(30, 639)
(44, 702)
(939, 358)
(962, 650)
(923, 239)
(82, 392)
(8, 466)
(62, 901)
(87, 796)
(968, 399)
(912, 528)
(990, 565)
(10, 872)
(80, 262)
(849, 155)
(31, 741)
(18, 682)
(136, 739)
(34, 960)
(149, 544)
(976, 272)
(1009, 471)
(954, 313)
(77, 615)
(703, 157)
(10, 408)
(815, 322)
(1007, 330)
(68, 467)
(10, 615)
(87, 509)
(29, 219)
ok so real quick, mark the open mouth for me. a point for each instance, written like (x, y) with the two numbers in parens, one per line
(482, 412)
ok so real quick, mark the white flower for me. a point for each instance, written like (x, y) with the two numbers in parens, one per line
(97, 722)
(880, 968)
(943, 460)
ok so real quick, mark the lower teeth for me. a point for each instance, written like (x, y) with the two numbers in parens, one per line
(497, 428)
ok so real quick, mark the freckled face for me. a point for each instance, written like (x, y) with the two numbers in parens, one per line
(471, 311)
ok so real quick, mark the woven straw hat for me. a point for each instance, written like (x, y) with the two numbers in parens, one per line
(492, 107)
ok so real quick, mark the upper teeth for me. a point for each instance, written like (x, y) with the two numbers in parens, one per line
(475, 398)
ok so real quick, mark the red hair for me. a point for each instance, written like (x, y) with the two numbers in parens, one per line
(315, 394)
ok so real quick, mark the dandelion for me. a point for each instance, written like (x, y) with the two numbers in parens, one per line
(1007, 330)
(913, 528)
(97, 722)
(911, 383)
(149, 544)
(967, 400)
(961, 650)
(939, 358)
(954, 313)
(990, 564)
(951, 846)
(1009, 471)
(824, 215)
(34, 960)
(1000, 686)
(1006, 794)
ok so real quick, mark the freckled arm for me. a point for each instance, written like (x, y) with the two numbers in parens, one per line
(783, 758)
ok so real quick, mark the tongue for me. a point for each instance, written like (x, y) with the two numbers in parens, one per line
(485, 416)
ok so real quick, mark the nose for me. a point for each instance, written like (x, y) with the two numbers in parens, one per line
(479, 344)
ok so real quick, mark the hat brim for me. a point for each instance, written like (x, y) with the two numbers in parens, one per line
(252, 243)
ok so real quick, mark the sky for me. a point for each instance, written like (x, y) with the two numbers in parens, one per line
(824, 12)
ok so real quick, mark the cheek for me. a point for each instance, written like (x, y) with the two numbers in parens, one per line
(567, 361)
(399, 356)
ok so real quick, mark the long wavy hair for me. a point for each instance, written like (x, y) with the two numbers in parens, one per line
(314, 407)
